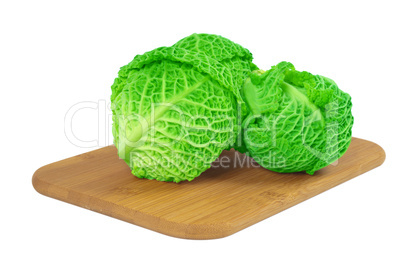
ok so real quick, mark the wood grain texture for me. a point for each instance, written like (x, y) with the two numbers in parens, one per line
(216, 204)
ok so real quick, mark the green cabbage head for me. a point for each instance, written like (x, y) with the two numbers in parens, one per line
(175, 108)
(297, 121)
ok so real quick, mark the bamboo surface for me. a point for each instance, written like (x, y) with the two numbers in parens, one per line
(220, 202)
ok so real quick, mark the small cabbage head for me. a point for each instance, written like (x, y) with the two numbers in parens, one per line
(297, 121)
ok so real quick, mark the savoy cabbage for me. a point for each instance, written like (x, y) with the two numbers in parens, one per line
(175, 108)
(297, 121)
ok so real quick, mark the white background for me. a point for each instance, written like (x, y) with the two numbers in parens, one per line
(55, 54)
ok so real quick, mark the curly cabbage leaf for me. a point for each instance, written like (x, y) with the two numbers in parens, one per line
(297, 121)
(175, 108)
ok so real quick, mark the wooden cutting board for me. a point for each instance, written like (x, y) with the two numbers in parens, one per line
(216, 204)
